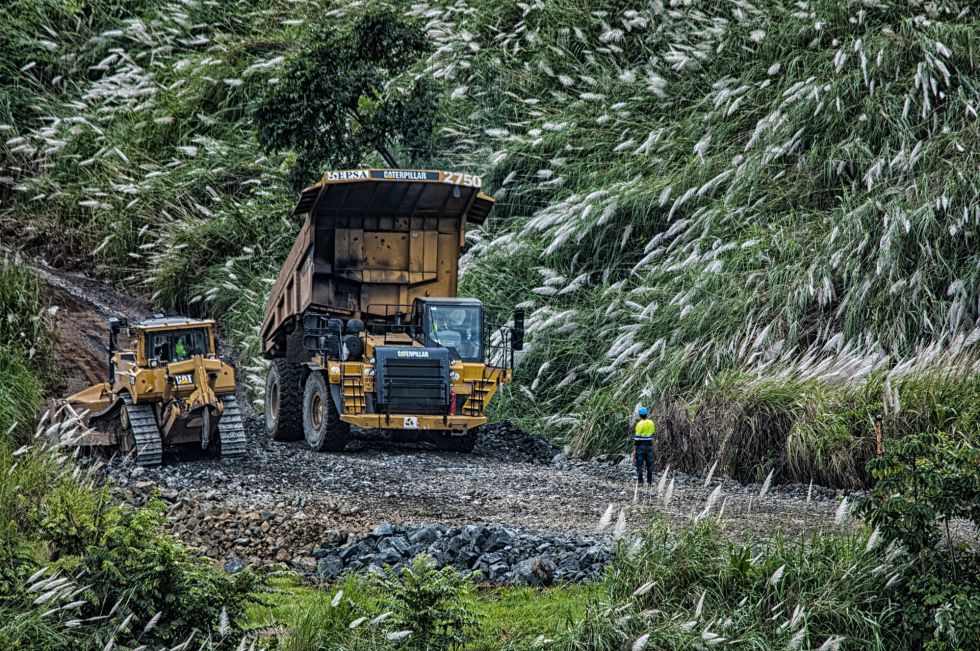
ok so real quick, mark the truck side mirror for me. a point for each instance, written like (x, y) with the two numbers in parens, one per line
(517, 332)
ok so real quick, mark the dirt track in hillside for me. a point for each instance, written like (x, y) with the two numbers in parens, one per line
(284, 499)
(83, 306)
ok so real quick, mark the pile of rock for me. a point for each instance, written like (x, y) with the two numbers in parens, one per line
(508, 442)
(498, 554)
(256, 536)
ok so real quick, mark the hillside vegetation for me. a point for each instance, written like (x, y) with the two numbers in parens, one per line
(759, 219)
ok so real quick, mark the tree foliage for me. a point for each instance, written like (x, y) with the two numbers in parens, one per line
(925, 485)
(348, 95)
(434, 604)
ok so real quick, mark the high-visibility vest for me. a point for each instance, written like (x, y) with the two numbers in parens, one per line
(643, 432)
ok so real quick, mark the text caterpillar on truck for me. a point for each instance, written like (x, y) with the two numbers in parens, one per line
(363, 326)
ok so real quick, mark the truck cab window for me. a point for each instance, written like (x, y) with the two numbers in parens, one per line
(458, 327)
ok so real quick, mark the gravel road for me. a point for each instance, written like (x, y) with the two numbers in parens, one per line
(283, 500)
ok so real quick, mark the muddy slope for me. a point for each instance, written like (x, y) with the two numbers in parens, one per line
(82, 307)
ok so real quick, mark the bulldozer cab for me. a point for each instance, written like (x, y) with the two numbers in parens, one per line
(161, 341)
(452, 323)
(177, 345)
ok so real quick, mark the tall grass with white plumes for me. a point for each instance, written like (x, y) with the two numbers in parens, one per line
(139, 153)
(754, 216)
(757, 218)
(697, 588)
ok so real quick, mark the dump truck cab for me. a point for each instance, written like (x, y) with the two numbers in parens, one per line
(162, 357)
(365, 313)
(453, 323)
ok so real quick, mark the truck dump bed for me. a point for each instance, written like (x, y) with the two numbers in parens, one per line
(372, 239)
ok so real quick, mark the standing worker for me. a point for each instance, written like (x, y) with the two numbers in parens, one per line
(643, 446)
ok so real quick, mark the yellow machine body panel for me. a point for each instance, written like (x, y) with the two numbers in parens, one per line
(473, 386)
(171, 366)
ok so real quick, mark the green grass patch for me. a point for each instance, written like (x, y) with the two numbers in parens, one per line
(509, 616)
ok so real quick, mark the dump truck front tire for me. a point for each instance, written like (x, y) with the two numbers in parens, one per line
(322, 427)
(284, 401)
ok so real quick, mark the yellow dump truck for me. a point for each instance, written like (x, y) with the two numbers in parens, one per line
(166, 386)
(363, 326)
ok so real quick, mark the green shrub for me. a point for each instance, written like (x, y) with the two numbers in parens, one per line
(434, 605)
(418, 607)
(925, 484)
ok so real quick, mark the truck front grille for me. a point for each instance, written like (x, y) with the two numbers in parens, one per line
(412, 380)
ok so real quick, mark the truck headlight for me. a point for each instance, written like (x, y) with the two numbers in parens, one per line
(369, 372)
(454, 376)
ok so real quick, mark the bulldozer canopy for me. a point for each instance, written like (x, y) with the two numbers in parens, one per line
(396, 193)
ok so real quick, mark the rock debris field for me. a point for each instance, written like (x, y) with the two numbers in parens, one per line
(284, 503)
(326, 513)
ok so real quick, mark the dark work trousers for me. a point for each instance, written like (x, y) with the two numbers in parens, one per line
(644, 455)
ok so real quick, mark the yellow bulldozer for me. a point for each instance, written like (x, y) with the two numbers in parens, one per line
(166, 386)
(364, 327)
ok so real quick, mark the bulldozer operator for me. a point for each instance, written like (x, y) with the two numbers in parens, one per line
(185, 347)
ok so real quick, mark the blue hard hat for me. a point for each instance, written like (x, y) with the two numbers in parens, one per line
(643, 411)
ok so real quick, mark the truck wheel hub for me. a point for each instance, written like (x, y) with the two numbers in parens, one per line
(273, 405)
(317, 409)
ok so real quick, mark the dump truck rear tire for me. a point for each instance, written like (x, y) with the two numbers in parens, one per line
(284, 401)
(458, 443)
(322, 427)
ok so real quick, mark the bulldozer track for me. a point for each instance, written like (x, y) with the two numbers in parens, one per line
(149, 449)
(231, 430)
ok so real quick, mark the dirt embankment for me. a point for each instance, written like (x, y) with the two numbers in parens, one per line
(82, 307)
(283, 501)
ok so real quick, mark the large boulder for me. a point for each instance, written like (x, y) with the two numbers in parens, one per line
(329, 568)
(233, 566)
(349, 552)
(499, 539)
(537, 572)
(497, 571)
(569, 566)
(425, 536)
(396, 544)
(592, 555)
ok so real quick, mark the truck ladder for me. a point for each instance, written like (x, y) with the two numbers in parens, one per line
(352, 390)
